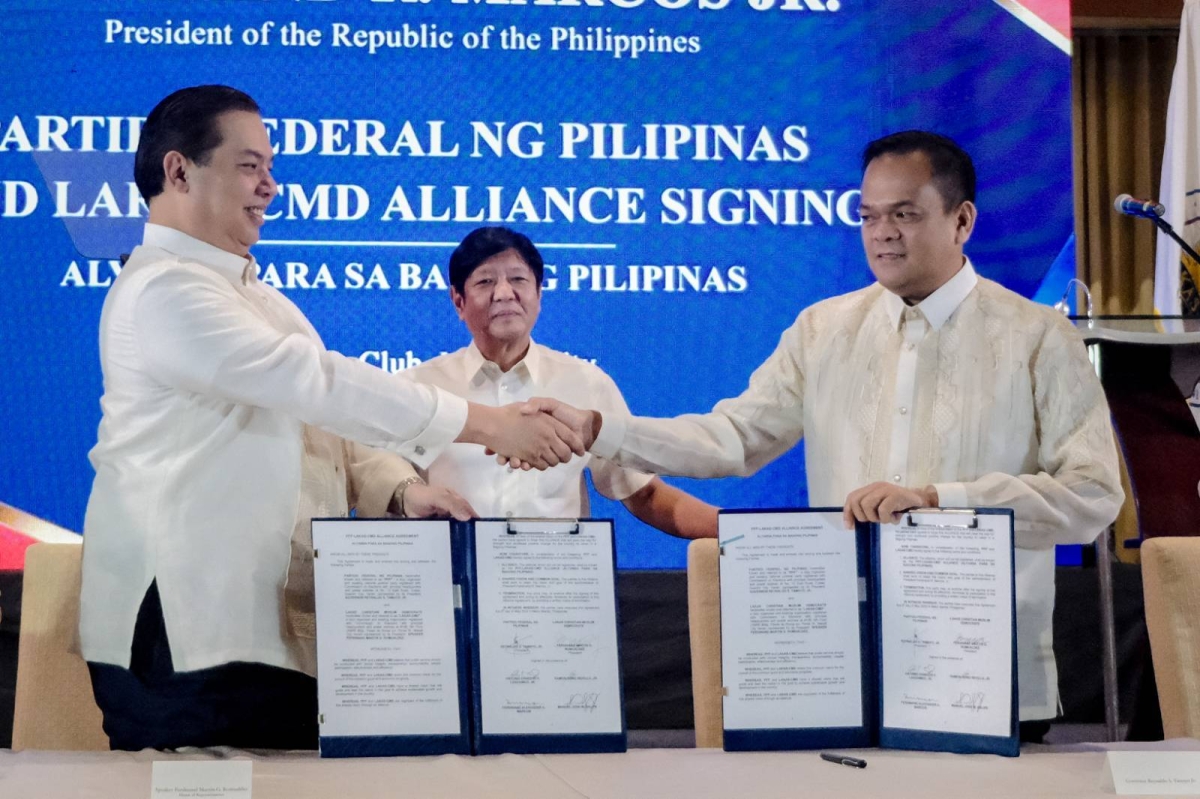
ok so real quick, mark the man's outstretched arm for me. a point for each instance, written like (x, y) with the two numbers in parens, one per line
(673, 511)
(738, 437)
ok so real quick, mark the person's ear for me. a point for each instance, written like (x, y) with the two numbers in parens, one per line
(964, 222)
(175, 167)
(459, 301)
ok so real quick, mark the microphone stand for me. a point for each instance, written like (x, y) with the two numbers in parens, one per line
(1165, 227)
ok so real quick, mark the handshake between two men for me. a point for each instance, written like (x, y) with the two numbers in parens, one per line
(537, 434)
(880, 501)
(529, 435)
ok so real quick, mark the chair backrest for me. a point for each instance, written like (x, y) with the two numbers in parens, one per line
(704, 627)
(55, 708)
(1171, 584)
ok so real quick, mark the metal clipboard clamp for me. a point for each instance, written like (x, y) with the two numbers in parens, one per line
(957, 518)
(531, 525)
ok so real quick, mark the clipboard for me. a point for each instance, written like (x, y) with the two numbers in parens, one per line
(846, 737)
(326, 533)
(960, 743)
(533, 741)
(871, 732)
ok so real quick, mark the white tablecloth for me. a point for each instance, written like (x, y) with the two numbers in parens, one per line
(1076, 771)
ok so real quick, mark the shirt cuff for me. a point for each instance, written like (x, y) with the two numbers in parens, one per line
(449, 419)
(951, 495)
(616, 482)
(611, 437)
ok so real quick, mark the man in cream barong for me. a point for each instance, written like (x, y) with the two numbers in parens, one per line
(931, 387)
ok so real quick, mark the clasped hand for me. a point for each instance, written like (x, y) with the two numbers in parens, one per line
(573, 427)
(884, 502)
(425, 501)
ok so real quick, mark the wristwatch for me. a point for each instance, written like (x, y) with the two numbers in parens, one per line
(402, 489)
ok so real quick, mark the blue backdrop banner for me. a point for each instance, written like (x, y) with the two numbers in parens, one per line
(688, 167)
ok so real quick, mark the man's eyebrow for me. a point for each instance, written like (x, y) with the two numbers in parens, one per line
(254, 154)
(887, 206)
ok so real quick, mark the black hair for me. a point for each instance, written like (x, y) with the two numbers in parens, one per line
(184, 121)
(485, 242)
(953, 172)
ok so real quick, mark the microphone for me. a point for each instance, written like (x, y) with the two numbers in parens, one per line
(1133, 207)
(1148, 209)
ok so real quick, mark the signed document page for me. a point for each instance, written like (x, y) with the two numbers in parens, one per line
(790, 644)
(947, 623)
(386, 648)
(547, 628)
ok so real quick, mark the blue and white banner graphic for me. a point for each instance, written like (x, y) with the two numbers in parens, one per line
(688, 167)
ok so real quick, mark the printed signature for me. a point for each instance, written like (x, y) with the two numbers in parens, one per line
(928, 670)
(971, 701)
(575, 646)
(970, 643)
(584, 701)
(519, 645)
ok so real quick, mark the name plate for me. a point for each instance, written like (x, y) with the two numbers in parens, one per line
(1155, 773)
(192, 779)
